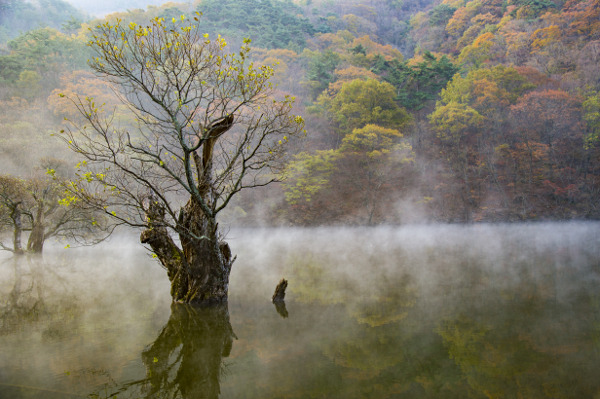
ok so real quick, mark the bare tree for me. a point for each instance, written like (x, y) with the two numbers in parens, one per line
(35, 206)
(204, 125)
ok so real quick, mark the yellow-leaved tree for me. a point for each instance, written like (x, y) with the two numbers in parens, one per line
(207, 125)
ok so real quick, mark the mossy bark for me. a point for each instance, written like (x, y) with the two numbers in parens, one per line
(199, 272)
(208, 258)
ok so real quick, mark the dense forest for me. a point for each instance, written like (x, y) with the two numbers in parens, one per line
(415, 111)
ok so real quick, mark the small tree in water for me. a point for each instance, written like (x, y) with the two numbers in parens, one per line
(205, 124)
(34, 206)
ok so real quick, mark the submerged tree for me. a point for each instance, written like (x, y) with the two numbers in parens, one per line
(204, 125)
(34, 206)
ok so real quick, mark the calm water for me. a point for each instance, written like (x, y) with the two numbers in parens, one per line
(418, 312)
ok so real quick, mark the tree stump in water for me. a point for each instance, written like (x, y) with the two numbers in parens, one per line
(279, 295)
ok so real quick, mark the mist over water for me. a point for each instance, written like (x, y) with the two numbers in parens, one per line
(416, 311)
(431, 254)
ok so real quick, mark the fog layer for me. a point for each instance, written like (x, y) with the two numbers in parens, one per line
(448, 309)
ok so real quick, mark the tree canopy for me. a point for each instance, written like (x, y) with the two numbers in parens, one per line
(205, 125)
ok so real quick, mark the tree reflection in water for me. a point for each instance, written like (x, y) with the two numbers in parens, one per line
(186, 359)
(448, 322)
(23, 302)
(29, 296)
(281, 309)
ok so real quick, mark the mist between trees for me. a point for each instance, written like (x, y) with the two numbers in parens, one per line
(414, 112)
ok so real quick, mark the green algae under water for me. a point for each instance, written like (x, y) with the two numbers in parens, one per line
(501, 311)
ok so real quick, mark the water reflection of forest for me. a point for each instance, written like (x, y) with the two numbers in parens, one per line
(482, 337)
(440, 321)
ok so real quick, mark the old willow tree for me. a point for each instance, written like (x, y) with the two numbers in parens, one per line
(204, 124)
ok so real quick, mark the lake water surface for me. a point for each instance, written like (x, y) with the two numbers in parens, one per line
(502, 311)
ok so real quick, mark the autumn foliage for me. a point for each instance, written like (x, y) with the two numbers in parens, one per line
(454, 110)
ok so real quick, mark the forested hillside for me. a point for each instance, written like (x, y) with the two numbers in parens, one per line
(18, 17)
(453, 111)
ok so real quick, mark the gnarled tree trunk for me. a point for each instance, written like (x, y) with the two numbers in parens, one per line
(199, 271)
(209, 259)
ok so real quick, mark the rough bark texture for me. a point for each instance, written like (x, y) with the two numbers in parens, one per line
(169, 254)
(208, 259)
